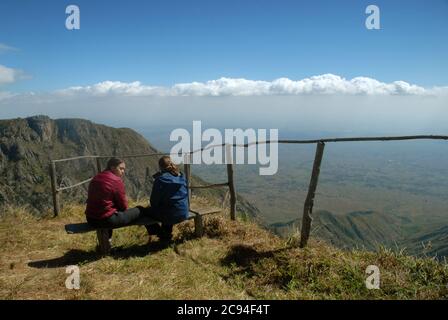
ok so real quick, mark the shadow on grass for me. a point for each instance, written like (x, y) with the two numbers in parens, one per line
(76, 257)
(242, 256)
(243, 260)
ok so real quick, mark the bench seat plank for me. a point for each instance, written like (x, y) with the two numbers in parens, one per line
(205, 210)
(85, 227)
(195, 213)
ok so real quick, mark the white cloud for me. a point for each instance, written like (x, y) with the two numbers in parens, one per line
(9, 75)
(112, 87)
(6, 48)
(326, 84)
(222, 87)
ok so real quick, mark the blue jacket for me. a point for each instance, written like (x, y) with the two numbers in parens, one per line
(169, 197)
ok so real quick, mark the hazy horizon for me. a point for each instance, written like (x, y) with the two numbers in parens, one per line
(344, 115)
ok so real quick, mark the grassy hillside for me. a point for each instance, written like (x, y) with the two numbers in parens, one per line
(234, 260)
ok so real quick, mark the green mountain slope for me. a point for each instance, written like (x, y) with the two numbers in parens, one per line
(366, 229)
(433, 243)
(371, 230)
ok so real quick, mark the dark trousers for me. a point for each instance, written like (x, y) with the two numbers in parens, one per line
(164, 229)
(118, 219)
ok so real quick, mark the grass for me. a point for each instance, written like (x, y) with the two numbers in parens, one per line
(234, 260)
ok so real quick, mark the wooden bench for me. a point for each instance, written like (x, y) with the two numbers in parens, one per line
(103, 235)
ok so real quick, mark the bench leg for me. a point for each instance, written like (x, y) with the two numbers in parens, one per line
(198, 226)
(103, 240)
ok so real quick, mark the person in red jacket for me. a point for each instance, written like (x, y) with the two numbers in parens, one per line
(107, 205)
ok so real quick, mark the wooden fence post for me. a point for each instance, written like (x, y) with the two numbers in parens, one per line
(309, 202)
(54, 190)
(231, 182)
(98, 165)
(103, 241)
(198, 226)
(187, 172)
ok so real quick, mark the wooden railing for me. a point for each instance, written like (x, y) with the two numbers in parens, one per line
(187, 171)
(309, 201)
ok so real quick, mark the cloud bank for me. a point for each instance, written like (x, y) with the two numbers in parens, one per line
(9, 75)
(321, 85)
(326, 84)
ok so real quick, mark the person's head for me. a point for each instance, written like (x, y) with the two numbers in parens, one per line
(166, 164)
(117, 166)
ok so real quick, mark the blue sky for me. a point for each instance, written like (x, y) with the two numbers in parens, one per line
(168, 42)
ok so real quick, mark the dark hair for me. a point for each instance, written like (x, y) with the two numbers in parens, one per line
(113, 163)
(166, 164)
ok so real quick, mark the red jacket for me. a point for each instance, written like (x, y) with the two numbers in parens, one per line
(106, 196)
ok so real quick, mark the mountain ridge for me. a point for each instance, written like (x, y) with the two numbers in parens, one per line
(28, 144)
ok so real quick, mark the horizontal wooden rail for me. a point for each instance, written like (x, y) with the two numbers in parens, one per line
(245, 145)
(136, 155)
(75, 158)
(397, 138)
(108, 157)
(215, 185)
(74, 185)
(325, 140)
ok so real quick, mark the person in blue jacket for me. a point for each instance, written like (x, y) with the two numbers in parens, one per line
(169, 199)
